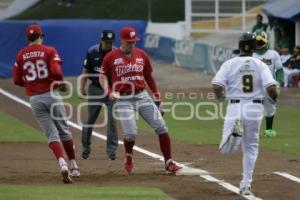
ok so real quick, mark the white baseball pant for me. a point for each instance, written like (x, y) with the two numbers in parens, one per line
(250, 114)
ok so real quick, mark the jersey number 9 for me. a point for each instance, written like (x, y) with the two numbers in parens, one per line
(247, 83)
(37, 70)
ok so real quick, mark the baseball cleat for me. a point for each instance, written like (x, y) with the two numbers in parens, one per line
(75, 173)
(270, 133)
(171, 167)
(86, 152)
(66, 175)
(128, 163)
(246, 191)
(74, 169)
(112, 155)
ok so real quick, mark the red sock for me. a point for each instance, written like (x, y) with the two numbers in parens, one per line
(128, 146)
(165, 145)
(69, 148)
(56, 148)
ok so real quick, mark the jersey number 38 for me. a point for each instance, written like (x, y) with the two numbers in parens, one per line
(36, 70)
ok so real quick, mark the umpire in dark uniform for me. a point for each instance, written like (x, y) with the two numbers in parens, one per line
(95, 95)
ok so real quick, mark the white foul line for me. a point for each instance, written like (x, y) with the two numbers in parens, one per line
(288, 176)
(207, 177)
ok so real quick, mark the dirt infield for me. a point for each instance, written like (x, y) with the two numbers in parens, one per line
(32, 163)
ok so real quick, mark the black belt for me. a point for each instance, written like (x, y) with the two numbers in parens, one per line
(132, 92)
(254, 101)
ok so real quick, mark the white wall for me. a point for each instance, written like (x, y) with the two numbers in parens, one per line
(172, 30)
(18, 6)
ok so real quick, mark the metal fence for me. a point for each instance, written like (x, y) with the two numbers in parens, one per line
(226, 16)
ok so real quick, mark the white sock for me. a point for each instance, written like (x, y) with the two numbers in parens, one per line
(62, 162)
(73, 164)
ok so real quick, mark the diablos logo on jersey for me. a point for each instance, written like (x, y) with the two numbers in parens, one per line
(124, 69)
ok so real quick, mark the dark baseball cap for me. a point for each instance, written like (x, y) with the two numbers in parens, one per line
(33, 29)
(108, 35)
(129, 34)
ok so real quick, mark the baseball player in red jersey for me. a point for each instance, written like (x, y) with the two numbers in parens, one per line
(129, 69)
(37, 68)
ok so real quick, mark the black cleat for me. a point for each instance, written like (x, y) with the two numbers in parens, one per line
(86, 152)
(112, 155)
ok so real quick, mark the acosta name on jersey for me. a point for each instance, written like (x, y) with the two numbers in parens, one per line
(39, 54)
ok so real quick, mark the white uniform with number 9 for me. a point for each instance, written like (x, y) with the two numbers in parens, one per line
(244, 80)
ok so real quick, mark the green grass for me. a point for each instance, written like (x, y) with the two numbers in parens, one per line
(286, 125)
(74, 99)
(161, 11)
(14, 130)
(192, 130)
(13, 192)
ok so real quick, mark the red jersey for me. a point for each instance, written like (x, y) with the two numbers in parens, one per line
(128, 75)
(37, 66)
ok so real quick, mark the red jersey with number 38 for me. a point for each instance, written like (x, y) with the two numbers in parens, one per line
(37, 66)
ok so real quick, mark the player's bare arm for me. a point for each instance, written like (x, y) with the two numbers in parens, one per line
(153, 86)
(272, 91)
(83, 81)
(219, 91)
(104, 84)
(156, 94)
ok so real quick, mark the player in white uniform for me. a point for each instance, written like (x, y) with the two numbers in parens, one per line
(242, 80)
(272, 59)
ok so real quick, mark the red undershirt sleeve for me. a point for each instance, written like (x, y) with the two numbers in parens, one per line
(150, 80)
(55, 66)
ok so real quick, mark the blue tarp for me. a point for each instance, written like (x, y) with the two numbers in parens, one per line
(186, 53)
(199, 56)
(71, 38)
(285, 9)
(160, 48)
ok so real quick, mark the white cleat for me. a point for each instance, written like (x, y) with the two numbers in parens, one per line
(74, 169)
(75, 173)
(246, 191)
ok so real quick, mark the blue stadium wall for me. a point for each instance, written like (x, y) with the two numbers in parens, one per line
(187, 53)
(71, 38)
